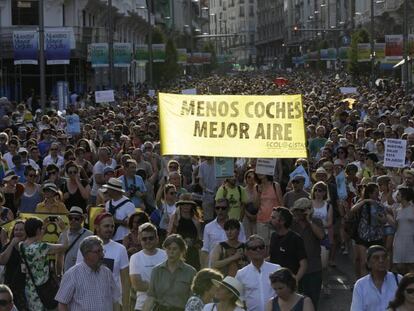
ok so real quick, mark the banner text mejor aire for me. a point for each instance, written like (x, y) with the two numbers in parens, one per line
(232, 125)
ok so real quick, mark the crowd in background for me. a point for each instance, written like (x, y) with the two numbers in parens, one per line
(176, 237)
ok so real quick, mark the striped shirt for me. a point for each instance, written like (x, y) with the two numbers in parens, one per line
(83, 289)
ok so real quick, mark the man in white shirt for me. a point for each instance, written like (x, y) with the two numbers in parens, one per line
(214, 231)
(374, 291)
(255, 276)
(115, 255)
(104, 160)
(54, 157)
(142, 263)
(120, 206)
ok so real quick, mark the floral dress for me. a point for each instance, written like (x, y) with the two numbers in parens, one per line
(36, 256)
(194, 303)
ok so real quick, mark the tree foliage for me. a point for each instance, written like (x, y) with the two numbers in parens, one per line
(354, 67)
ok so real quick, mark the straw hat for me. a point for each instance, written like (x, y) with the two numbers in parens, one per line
(319, 171)
(114, 184)
(233, 285)
(10, 175)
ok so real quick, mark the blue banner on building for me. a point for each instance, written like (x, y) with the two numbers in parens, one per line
(25, 47)
(57, 46)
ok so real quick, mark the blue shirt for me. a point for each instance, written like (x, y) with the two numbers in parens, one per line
(129, 184)
(20, 172)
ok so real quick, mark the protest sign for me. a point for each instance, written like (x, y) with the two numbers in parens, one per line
(343, 53)
(151, 93)
(394, 154)
(73, 126)
(104, 96)
(348, 90)
(189, 92)
(300, 170)
(265, 166)
(232, 125)
(224, 167)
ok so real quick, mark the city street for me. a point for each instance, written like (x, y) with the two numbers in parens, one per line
(340, 281)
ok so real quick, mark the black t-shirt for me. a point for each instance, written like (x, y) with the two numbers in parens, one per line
(287, 250)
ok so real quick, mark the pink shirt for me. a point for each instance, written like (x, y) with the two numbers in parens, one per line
(268, 200)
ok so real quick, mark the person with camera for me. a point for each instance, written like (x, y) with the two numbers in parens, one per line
(133, 184)
(119, 206)
(310, 229)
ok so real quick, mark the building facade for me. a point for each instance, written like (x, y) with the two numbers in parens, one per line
(238, 20)
(88, 19)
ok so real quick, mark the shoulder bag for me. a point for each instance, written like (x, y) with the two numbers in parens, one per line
(47, 291)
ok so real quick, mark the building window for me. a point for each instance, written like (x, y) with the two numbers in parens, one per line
(242, 11)
(251, 11)
(25, 12)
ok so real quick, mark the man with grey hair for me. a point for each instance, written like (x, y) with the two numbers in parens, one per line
(6, 299)
(255, 276)
(89, 285)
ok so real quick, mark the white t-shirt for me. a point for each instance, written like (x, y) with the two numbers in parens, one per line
(115, 258)
(98, 168)
(59, 161)
(142, 264)
(213, 307)
(121, 213)
(170, 210)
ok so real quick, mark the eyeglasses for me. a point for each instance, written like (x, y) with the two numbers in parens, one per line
(255, 248)
(221, 208)
(148, 238)
(409, 290)
(98, 251)
(4, 302)
(74, 218)
(72, 172)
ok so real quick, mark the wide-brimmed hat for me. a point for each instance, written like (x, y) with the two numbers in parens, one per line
(233, 285)
(50, 186)
(114, 184)
(76, 210)
(10, 174)
(320, 170)
(182, 202)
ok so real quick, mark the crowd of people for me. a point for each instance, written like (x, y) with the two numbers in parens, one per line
(172, 236)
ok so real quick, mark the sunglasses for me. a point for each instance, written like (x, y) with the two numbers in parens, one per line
(72, 172)
(31, 175)
(52, 173)
(409, 290)
(148, 238)
(255, 248)
(74, 218)
(320, 190)
(53, 149)
(221, 208)
(172, 193)
(4, 302)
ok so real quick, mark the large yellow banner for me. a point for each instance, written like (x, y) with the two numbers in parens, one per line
(232, 125)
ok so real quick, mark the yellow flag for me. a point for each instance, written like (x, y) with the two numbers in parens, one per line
(232, 125)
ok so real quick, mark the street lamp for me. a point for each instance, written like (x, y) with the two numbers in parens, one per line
(149, 10)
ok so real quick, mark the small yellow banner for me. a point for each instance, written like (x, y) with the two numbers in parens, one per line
(232, 125)
(52, 230)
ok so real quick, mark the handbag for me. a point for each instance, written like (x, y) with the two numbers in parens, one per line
(251, 208)
(47, 291)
